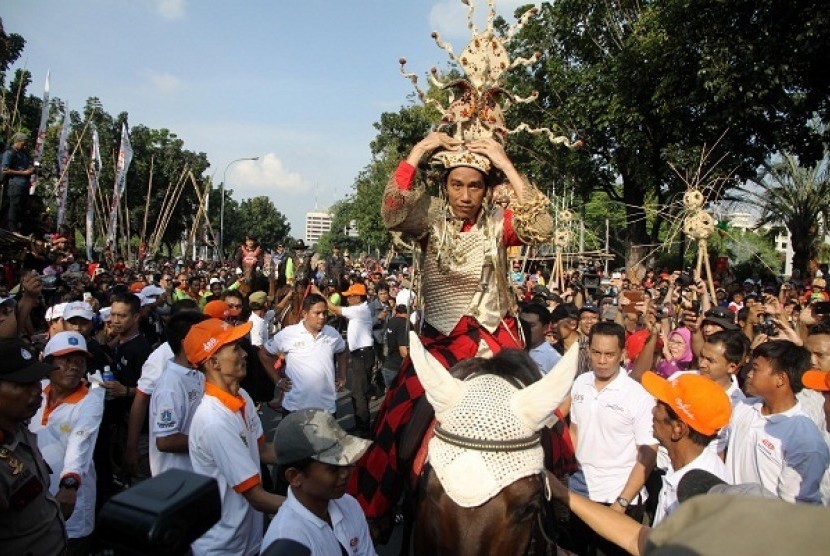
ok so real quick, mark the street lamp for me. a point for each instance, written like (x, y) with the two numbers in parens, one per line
(222, 205)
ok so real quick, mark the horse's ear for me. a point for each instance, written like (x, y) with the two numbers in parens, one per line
(442, 390)
(535, 404)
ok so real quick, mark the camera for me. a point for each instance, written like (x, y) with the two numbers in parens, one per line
(684, 280)
(40, 171)
(767, 326)
(591, 282)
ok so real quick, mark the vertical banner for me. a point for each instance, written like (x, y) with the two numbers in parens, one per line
(41, 134)
(125, 156)
(92, 190)
(63, 168)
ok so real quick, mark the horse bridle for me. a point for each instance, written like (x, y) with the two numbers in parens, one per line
(515, 445)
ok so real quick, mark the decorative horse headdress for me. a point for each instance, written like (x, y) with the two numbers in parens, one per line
(488, 436)
(478, 101)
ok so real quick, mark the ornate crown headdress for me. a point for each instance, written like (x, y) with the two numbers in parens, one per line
(478, 101)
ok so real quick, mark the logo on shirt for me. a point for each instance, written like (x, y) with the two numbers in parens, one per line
(25, 354)
(353, 542)
(165, 419)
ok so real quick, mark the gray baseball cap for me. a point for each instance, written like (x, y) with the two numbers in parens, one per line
(314, 433)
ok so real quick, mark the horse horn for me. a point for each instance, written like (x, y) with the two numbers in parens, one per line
(535, 404)
(442, 390)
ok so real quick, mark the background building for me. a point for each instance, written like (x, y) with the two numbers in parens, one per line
(317, 223)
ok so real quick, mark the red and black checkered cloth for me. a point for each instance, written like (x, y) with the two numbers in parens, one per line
(380, 477)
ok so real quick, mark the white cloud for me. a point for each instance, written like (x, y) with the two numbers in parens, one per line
(170, 9)
(449, 17)
(266, 176)
(165, 84)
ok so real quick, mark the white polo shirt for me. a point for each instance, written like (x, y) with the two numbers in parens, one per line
(153, 367)
(348, 527)
(611, 424)
(224, 444)
(309, 363)
(545, 356)
(175, 398)
(785, 452)
(359, 331)
(259, 330)
(66, 438)
(667, 502)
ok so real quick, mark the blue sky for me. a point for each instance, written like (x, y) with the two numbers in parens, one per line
(298, 83)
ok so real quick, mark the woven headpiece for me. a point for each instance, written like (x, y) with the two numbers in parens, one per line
(478, 101)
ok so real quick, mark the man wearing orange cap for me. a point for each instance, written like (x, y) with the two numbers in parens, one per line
(690, 411)
(226, 440)
(361, 346)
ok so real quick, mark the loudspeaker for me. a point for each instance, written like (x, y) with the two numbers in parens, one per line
(162, 515)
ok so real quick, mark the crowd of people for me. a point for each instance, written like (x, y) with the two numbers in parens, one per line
(114, 373)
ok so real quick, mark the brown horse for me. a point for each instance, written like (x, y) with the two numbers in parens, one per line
(482, 492)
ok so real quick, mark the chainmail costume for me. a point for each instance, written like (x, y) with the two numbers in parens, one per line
(469, 309)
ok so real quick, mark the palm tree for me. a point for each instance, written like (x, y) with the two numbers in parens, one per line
(798, 198)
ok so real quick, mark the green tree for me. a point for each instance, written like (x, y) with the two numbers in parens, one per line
(260, 218)
(646, 84)
(796, 197)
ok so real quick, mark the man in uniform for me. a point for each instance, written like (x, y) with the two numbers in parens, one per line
(18, 168)
(31, 520)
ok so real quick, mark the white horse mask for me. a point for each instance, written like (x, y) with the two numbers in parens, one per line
(488, 408)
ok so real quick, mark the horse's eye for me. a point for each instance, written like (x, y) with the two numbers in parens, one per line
(527, 511)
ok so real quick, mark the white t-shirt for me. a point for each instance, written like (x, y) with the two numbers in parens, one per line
(545, 356)
(359, 331)
(176, 396)
(784, 452)
(309, 363)
(66, 438)
(348, 527)
(667, 502)
(153, 367)
(259, 330)
(224, 444)
(611, 424)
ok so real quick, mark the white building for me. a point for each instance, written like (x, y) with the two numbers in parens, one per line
(317, 223)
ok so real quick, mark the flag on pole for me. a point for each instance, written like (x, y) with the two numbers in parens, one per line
(94, 172)
(41, 134)
(63, 168)
(125, 156)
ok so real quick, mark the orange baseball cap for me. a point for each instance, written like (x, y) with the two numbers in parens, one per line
(816, 380)
(208, 337)
(217, 309)
(355, 289)
(699, 401)
(136, 287)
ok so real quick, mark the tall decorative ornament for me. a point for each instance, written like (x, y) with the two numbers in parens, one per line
(92, 190)
(63, 168)
(41, 134)
(125, 156)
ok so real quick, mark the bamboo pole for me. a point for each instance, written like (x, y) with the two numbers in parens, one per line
(168, 193)
(147, 204)
(174, 199)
